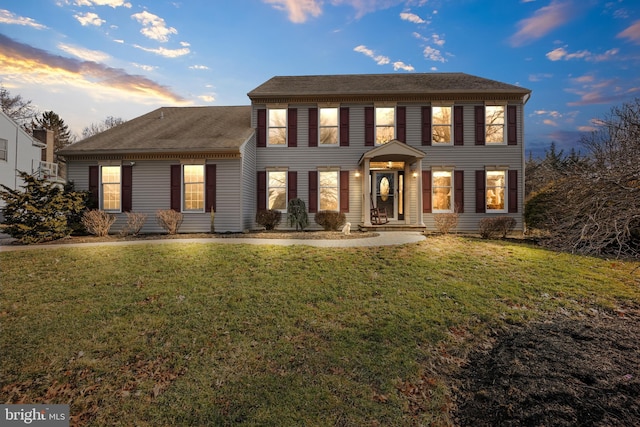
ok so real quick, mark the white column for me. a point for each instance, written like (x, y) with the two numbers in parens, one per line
(408, 177)
(366, 206)
(419, 187)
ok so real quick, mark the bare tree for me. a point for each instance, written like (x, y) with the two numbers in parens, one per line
(20, 110)
(96, 128)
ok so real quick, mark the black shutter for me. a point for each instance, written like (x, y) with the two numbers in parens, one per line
(426, 192)
(176, 180)
(481, 205)
(94, 187)
(369, 124)
(313, 127)
(313, 191)
(512, 125)
(458, 125)
(426, 126)
(344, 126)
(262, 128)
(458, 191)
(127, 190)
(262, 190)
(479, 123)
(292, 185)
(401, 124)
(210, 188)
(344, 191)
(512, 183)
(292, 127)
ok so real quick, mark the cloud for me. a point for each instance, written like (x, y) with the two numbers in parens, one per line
(84, 54)
(89, 18)
(207, 98)
(154, 27)
(550, 122)
(147, 68)
(112, 3)
(167, 53)
(7, 17)
(380, 59)
(433, 54)
(543, 21)
(198, 67)
(552, 113)
(35, 66)
(593, 91)
(539, 77)
(561, 53)
(412, 18)
(399, 65)
(632, 33)
(298, 10)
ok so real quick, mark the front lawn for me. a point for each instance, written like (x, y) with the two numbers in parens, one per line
(218, 334)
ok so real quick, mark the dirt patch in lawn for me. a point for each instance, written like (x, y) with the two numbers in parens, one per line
(564, 371)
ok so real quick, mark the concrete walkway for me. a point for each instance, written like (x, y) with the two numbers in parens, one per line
(385, 238)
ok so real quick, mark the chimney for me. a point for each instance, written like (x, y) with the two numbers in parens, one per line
(45, 136)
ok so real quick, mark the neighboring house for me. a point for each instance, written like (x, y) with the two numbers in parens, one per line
(413, 145)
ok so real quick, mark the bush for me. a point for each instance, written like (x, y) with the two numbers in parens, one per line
(269, 218)
(41, 212)
(98, 222)
(297, 214)
(445, 222)
(330, 220)
(169, 220)
(498, 226)
(135, 222)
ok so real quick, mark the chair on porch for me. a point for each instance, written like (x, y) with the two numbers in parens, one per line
(378, 215)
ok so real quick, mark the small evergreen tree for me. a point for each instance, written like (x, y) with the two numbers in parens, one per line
(41, 212)
(297, 214)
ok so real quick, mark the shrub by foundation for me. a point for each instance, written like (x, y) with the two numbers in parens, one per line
(169, 220)
(498, 226)
(269, 218)
(98, 222)
(330, 220)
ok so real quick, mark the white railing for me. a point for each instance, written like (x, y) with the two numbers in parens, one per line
(47, 170)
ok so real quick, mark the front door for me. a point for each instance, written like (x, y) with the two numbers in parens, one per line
(386, 191)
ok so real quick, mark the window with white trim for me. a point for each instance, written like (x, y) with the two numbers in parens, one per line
(495, 124)
(193, 188)
(329, 190)
(111, 188)
(496, 186)
(277, 126)
(441, 124)
(442, 191)
(385, 124)
(328, 126)
(4, 147)
(277, 190)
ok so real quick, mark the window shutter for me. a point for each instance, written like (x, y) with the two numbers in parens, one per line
(426, 191)
(344, 191)
(481, 205)
(512, 128)
(479, 121)
(313, 191)
(210, 188)
(94, 186)
(512, 182)
(313, 127)
(262, 190)
(458, 125)
(292, 127)
(292, 185)
(127, 191)
(401, 124)
(176, 179)
(369, 124)
(262, 128)
(344, 126)
(458, 191)
(426, 126)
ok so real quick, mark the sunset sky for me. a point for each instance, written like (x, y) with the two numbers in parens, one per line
(90, 59)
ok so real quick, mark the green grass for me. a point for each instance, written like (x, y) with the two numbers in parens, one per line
(210, 334)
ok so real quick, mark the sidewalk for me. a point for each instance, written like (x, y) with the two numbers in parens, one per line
(385, 238)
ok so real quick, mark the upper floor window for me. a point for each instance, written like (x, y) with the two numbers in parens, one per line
(441, 124)
(110, 184)
(277, 190)
(385, 124)
(193, 188)
(328, 126)
(329, 190)
(496, 190)
(442, 191)
(494, 124)
(4, 145)
(277, 132)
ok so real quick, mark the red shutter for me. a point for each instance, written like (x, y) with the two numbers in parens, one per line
(344, 126)
(292, 185)
(458, 125)
(458, 191)
(481, 205)
(313, 127)
(176, 180)
(210, 188)
(262, 190)
(479, 122)
(512, 128)
(344, 191)
(512, 183)
(401, 124)
(94, 187)
(127, 191)
(426, 191)
(292, 127)
(262, 128)
(426, 126)
(369, 125)
(313, 191)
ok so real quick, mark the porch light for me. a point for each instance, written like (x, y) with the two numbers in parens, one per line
(357, 174)
(414, 172)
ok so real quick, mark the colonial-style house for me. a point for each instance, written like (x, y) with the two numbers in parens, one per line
(409, 146)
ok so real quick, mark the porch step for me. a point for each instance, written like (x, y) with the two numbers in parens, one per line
(391, 227)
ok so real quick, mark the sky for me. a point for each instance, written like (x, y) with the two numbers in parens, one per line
(87, 60)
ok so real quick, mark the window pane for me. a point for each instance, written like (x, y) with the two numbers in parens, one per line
(385, 116)
(277, 190)
(495, 124)
(328, 136)
(495, 189)
(193, 176)
(441, 115)
(441, 125)
(111, 197)
(111, 174)
(277, 136)
(384, 134)
(277, 126)
(328, 126)
(329, 191)
(442, 190)
(441, 134)
(328, 117)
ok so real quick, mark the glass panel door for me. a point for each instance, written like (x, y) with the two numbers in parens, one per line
(385, 192)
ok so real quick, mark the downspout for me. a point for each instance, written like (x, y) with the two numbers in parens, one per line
(15, 169)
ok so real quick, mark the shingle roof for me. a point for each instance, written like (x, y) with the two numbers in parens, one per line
(173, 129)
(415, 84)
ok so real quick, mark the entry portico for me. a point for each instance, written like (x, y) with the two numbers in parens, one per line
(383, 182)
